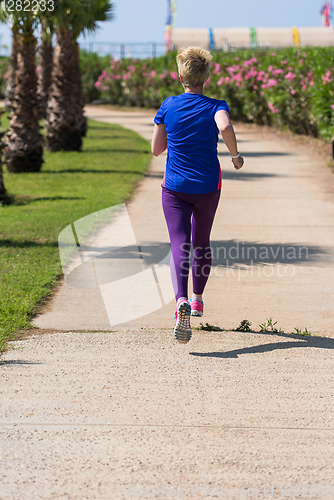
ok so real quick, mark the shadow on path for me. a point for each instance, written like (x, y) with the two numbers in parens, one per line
(234, 252)
(309, 341)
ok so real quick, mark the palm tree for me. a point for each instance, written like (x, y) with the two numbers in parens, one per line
(3, 191)
(66, 123)
(45, 63)
(24, 144)
(10, 85)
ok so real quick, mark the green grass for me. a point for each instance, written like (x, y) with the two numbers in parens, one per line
(70, 185)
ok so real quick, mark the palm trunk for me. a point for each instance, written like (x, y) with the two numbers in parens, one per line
(24, 151)
(45, 61)
(79, 93)
(64, 112)
(10, 85)
(3, 191)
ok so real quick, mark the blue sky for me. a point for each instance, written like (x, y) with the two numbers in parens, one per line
(144, 20)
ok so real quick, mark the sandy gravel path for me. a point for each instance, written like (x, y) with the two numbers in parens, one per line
(131, 414)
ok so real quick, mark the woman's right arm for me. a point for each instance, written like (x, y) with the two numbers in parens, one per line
(159, 139)
(222, 119)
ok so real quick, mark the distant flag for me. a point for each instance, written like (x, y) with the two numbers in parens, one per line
(326, 12)
(212, 40)
(253, 37)
(171, 13)
(295, 34)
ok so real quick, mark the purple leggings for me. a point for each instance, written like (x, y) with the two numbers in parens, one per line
(189, 214)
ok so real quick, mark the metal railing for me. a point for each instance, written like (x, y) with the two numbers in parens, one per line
(125, 50)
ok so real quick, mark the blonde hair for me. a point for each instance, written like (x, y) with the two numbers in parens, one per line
(194, 65)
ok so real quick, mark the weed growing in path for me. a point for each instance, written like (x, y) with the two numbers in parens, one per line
(210, 328)
(305, 332)
(245, 326)
(270, 327)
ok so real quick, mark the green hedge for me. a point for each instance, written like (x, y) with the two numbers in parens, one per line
(288, 87)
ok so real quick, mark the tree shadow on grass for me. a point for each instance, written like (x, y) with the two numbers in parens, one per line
(299, 341)
(10, 243)
(114, 150)
(96, 171)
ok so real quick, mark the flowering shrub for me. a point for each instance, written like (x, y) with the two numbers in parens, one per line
(290, 87)
(143, 83)
(91, 65)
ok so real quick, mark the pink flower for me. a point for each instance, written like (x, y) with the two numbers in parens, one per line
(271, 83)
(153, 73)
(292, 91)
(332, 106)
(247, 63)
(5, 75)
(255, 87)
(290, 76)
(236, 58)
(283, 62)
(220, 81)
(300, 61)
(97, 84)
(326, 77)
(217, 69)
(277, 71)
(270, 68)
(227, 79)
(272, 108)
(174, 75)
(273, 53)
(261, 93)
(238, 77)
(251, 74)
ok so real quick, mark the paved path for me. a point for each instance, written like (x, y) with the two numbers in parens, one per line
(272, 240)
(95, 415)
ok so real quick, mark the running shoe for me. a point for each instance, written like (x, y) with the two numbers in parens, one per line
(196, 308)
(182, 330)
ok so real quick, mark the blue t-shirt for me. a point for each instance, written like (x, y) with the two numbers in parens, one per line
(192, 136)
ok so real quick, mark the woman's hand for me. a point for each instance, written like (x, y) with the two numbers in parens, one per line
(238, 162)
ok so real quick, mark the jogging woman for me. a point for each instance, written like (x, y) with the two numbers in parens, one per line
(187, 126)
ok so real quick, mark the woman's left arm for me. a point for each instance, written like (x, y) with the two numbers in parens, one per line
(159, 139)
